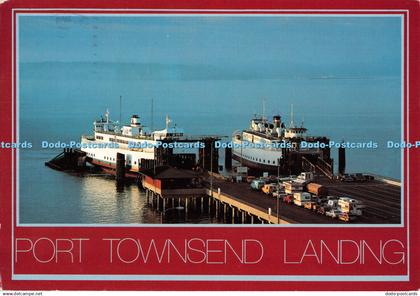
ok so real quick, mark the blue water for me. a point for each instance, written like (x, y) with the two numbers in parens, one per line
(59, 102)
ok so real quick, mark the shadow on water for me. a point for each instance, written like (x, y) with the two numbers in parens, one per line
(120, 187)
(106, 201)
(174, 215)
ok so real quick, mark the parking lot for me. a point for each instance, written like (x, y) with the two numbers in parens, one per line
(382, 201)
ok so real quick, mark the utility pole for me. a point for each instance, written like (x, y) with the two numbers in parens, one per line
(151, 117)
(120, 108)
(278, 190)
(211, 168)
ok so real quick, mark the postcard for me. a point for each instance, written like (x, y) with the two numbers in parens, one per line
(209, 146)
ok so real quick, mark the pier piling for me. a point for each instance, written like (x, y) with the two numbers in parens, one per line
(120, 168)
(341, 160)
(228, 158)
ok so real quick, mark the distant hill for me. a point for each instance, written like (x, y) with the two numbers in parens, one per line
(155, 71)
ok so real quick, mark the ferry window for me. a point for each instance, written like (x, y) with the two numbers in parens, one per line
(135, 162)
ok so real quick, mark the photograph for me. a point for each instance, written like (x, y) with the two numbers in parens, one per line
(136, 119)
(209, 146)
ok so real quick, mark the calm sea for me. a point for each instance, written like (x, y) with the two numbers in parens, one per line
(60, 101)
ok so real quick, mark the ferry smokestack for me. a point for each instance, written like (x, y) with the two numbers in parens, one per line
(277, 124)
(135, 121)
(277, 120)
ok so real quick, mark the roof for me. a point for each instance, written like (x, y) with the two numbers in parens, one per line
(167, 172)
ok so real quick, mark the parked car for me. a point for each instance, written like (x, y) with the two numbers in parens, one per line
(257, 184)
(346, 178)
(369, 177)
(269, 188)
(333, 213)
(310, 205)
(346, 217)
(288, 198)
(321, 210)
(359, 177)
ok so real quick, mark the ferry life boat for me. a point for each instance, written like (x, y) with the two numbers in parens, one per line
(267, 146)
(134, 141)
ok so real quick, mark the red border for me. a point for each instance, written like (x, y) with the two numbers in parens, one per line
(6, 155)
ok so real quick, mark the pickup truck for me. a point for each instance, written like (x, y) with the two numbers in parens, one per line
(333, 213)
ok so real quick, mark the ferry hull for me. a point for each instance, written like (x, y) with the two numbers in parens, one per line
(256, 167)
(110, 168)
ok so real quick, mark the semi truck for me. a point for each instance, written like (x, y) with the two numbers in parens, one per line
(317, 189)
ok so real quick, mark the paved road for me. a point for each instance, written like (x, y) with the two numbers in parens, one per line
(382, 201)
(243, 192)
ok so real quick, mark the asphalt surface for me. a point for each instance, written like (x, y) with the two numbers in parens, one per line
(382, 201)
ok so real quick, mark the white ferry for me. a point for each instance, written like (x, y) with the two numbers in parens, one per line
(129, 139)
(269, 146)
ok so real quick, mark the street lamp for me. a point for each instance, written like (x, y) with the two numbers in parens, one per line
(211, 169)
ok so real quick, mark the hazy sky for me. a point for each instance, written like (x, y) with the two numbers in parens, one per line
(219, 40)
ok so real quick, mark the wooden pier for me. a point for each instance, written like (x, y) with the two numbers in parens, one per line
(245, 209)
(170, 188)
(195, 192)
(237, 203)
